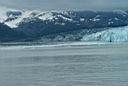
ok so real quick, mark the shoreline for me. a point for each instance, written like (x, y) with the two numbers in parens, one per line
(72, 50)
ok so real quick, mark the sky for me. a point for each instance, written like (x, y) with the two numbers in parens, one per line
(66, 4)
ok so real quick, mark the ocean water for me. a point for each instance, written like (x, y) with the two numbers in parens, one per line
(74, 65)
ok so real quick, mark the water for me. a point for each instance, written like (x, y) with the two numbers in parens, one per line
(91, 65)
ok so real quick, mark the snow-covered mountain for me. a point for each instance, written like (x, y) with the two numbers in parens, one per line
(13, 17)
(57, 25)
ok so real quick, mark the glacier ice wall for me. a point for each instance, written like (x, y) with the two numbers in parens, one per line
(119, 34)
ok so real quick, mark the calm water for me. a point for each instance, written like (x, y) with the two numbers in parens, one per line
(103, 66)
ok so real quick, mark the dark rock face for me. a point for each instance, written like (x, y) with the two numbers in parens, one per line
(8, 34)
(12, 15)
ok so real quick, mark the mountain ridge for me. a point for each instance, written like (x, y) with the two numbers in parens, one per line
(38, 24)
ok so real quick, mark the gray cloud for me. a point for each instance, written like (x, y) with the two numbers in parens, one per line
(66, 4)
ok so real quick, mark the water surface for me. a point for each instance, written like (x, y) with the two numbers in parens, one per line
(90, 65)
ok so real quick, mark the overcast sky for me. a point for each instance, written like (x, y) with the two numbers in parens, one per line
(66, 4)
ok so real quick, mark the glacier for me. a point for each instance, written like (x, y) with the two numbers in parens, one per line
(118, 34)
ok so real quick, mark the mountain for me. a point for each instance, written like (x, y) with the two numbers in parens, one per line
(7, 34)
(26, 25)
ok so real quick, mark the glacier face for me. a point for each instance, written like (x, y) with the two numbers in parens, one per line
(119, 34)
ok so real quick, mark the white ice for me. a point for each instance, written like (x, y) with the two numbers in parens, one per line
(119, 34)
